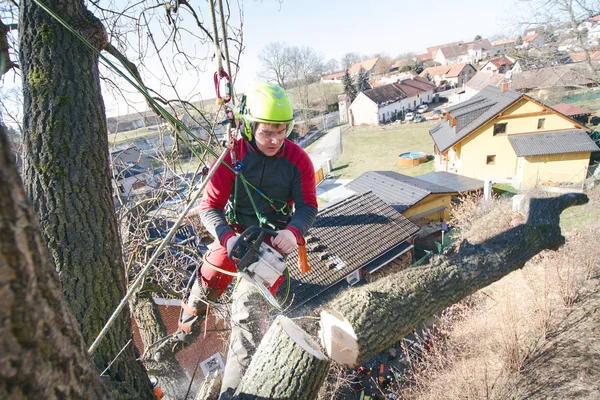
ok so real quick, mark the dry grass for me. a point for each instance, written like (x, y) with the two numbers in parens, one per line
(489, 339)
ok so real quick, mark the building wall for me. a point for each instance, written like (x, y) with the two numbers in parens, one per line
(429, 203)
(364, 111)
(553, 169)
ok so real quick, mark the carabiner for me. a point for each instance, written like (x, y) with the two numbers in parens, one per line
(219, 76)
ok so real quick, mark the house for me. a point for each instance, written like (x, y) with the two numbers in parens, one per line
(507, 136)
(533, 41)
(397, 77)
(132, 170)
(456, 74)
(390, 102)
(124, 123)
(351, 238)
(498, 65)
(502, 46)
(336, 77)
(561, 76)
(577, 113)
(470, 52)
(580, 56)
(413, 197)
(369, 66)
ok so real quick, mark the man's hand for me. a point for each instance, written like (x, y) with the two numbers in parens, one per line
(285, 241)
(230, 243)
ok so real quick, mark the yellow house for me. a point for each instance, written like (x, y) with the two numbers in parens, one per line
(506, 136)
(422, 197)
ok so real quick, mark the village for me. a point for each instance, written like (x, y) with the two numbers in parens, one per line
(482, 118)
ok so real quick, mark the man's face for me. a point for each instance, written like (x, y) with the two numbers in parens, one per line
(270, 137)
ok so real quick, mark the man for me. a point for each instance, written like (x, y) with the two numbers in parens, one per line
(280, 176)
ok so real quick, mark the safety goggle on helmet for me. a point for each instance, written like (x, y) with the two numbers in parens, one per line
(267, 103)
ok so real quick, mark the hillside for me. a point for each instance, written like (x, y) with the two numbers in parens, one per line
(533, 334)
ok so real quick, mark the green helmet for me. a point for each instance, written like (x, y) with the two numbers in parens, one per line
(267, 103)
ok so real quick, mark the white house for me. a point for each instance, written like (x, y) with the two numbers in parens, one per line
(501, 47)
(498, 65)
(470, 52)
(456, 74)
(390, 102)
(131, 170)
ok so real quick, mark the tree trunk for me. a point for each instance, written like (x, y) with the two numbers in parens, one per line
(171, 377)
(67, 177)
(367, 320)
(287, 365)
(43, 354)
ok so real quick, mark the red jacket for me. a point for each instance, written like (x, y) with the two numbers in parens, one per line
(288, 176)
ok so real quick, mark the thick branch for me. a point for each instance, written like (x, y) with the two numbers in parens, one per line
(365, 321)
(6, 63)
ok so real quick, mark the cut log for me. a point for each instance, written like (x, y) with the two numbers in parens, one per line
(366, 320)
(288, 364)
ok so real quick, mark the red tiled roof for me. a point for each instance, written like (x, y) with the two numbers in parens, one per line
(530, 38)
(596, 18)
(333, 76)
(451, 71)
(570, 110)
(424, 57)
(500, 61)
(367, 65)
(580, 56)
(503, 41)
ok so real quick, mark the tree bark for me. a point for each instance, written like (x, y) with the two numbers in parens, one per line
(169, 373)
(287, 365)
(67, 177)
(42, 353)
(365, 321)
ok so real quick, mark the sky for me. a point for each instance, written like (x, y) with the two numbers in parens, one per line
(336, 27)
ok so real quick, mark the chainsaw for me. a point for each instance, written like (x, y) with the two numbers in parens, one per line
(257, 262)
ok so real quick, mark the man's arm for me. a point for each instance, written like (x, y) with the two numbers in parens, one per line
(215, 197)
(304, 193)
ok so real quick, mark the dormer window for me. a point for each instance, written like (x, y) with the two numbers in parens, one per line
(500, 129)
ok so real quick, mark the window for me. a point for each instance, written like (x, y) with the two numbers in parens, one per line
(490, 160)
(541, 123)
(499, 129)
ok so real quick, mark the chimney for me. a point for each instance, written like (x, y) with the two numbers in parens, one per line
(453, 122)
(447, 116)
(504, 87)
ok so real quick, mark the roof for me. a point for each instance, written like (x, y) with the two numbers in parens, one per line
(355, 233)
(434, 49)
(457, 183)
(502, 42)
(471, 114)
(397, 91)
(500, 61)
(457, 69)
(580, 56)
(367, 65)
(479, 44)
(333, 76)
(414, 86)
(530, 38)
(424, 57)
(454, 51)
(554, 142)
(596, 18)
(433, 71)
(399, 191)
(385, 94)
(570, 110)
(541, 78)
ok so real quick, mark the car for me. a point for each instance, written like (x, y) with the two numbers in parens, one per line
(409, 116)
(419, 118)
(422, 108)
(437, 112)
